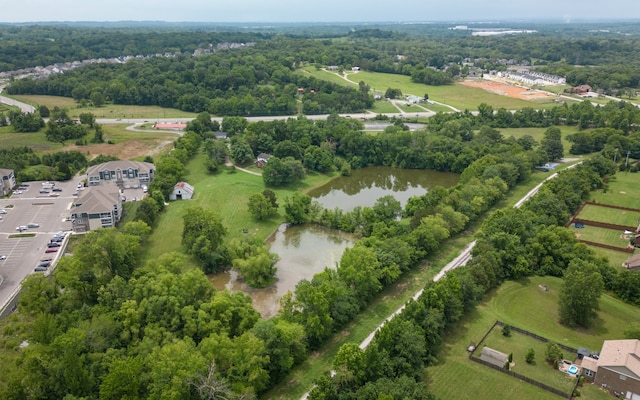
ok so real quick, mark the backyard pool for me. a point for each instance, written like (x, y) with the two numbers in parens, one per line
(572, 370)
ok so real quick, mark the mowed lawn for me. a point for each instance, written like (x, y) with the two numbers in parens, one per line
(461, 97)
(623, 190)
(106, 111)
(525, 305)
(518, 345)
(538, 135)
(611, 237)
(227, 194)
(609, 215)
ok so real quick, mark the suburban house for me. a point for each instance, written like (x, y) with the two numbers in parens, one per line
(632, 262)
(181, 191)
(7, 181)
(97, 207)
(494, 357)
(122, 173)
(616, 368)
(262, 159)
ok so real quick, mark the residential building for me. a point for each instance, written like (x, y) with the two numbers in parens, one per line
(7, 181)
(124, 174)
(632, 262)
(96, 207)
(616, 368)
(262, 159)
(182, 191)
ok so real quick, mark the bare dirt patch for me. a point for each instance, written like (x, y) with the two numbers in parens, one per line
(504, 89)
(125, 150)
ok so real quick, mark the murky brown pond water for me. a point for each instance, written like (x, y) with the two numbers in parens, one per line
(306, 250)
(303, 250)
(367, 185)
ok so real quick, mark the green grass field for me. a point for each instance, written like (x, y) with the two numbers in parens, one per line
(227, 194)
(600, 235)
(36, 140)
(107, 111)
(609, 215)
(538, 135)
(616, 258)
(383, 107)
(623, 190)
(459, 96)
(519, 344)
(524, 305)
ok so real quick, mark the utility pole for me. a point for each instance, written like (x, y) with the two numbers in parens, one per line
(626, 163)
(615, 155)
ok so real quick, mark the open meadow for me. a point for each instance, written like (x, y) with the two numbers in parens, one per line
(522, 304)
(227, 193)
(119, 142)
(107, 111)
(457, 95)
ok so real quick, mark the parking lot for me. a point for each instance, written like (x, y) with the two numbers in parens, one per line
(21, 254)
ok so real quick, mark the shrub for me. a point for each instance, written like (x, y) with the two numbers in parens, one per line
(506, 330)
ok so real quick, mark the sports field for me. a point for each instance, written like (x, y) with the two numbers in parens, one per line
(525, 305)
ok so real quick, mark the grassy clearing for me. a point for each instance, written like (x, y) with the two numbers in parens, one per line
(616, 258)
(600, 235)
(383, 107)
(519, 344)
(227, 194)
(609, 215)
(107, 111)
(524, 305)
(623, 190)
(36, 140)
(459, 96)
(538, 135)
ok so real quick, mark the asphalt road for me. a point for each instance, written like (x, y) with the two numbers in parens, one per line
(23, 253)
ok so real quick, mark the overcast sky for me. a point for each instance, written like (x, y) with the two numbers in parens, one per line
(314, 10)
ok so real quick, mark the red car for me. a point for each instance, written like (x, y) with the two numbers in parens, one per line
(51, 250)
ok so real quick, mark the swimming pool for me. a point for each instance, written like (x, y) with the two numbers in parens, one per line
(572, 370)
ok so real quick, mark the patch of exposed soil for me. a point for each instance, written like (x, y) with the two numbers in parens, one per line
(504, 89)
(125, 150)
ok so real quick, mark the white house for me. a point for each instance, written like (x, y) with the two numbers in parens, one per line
(181, 191)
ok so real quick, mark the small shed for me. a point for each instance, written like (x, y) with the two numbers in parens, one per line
(494, 357)
(632, 262)
(262, 159)
(182, 191)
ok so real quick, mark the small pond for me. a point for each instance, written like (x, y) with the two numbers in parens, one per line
(303, 250)
(367, 185)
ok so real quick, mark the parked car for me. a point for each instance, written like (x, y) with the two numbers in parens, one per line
(3, 211)
(21, 228)
(44, 191)
(17, 192)
(46, 262)
(3, 257)
(57, 189)
(56, 239)
(40, 268)
(33, 225)
(53, 244)
(51, 250)
(54, 194)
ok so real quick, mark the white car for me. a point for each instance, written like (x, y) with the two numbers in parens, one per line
(17, 192)
(3, 257)
(3, 211)
(21, 228)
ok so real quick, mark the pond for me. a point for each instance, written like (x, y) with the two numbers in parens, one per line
(303, 250)
(306, 250)
(367, 185)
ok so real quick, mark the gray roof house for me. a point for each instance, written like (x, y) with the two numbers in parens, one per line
(124, 174)
(97, 207)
